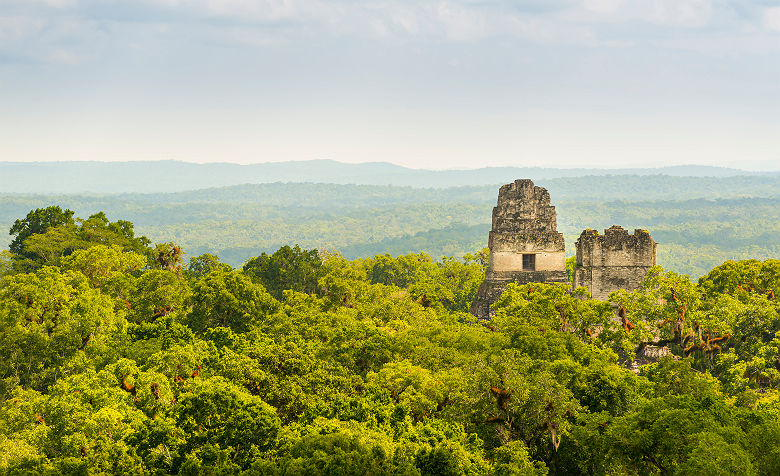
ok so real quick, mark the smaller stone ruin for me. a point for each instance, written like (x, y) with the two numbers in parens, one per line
(612, 261)
(648, 354)
(524, 243)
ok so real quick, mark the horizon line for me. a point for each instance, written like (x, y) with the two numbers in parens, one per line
(374, 162)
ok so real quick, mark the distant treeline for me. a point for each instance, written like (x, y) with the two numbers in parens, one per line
(698, 221)
(174, 176)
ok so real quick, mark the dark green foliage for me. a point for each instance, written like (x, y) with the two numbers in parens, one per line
(740, 277)
(204, 264)
(571, 266)
(97, 229)
(288, 268)
(216, 414)
(226, 298)
(47, 235)
(447, 285)
(36, 222)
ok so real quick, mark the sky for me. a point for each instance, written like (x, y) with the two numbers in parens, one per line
(424, 84)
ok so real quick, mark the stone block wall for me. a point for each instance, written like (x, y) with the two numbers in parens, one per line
(612, 261)
(524, 224)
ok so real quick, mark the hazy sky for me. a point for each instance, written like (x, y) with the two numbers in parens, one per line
(433, 84)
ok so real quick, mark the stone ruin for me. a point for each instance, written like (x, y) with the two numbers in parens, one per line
(525, 247)
(524, 243)
(612, 261)
(648, 354)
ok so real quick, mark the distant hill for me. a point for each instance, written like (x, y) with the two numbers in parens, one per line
(175, 176)
(699, 221)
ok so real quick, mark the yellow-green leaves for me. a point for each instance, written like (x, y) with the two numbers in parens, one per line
(48, 318)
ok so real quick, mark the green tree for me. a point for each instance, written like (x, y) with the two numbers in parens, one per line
(571, 267)
(97, 229)
(684, 424)
(742, 277)
(50, 320)
(512, 458)
(36, 222)
(47, 248)
(46, 235)
(204, 264)
(159, 293)
(215, 412)
(287, 268)
(103, 264)
(168, 256)
(348, 448)
(400, 271)
(227, 298)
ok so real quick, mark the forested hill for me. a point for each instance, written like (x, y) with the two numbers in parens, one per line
(699, 221)
(174, 176)
(117, 358)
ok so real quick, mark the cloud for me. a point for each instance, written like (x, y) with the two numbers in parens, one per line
(661, 13)
(52, 3)
(772, 18)
(682, 13)
(13, 28)
(602, 6)
(260, 10)
(76, 30)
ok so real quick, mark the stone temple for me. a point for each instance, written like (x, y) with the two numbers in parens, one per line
(614, 260)
(525, 247)
(524, 243)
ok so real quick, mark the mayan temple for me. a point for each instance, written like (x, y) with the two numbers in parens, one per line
(524, 243)
(612, 261)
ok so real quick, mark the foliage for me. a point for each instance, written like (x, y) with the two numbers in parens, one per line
(36, 222)
(204, 264)
(288, 268)
(47, 235)
(225, 298)
(52, 324)
(305, 362)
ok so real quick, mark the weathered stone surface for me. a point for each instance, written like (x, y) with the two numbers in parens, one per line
(524, 208)
(524, 225)
(612, 261)
(525, 247)
(487, 294)
(648, 354)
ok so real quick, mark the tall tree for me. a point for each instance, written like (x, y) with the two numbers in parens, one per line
(37, 222)
(288, 268)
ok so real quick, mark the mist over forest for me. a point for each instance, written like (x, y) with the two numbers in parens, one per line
(700, 220)
(176, 176)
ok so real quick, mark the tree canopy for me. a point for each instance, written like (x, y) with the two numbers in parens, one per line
(114, 358)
